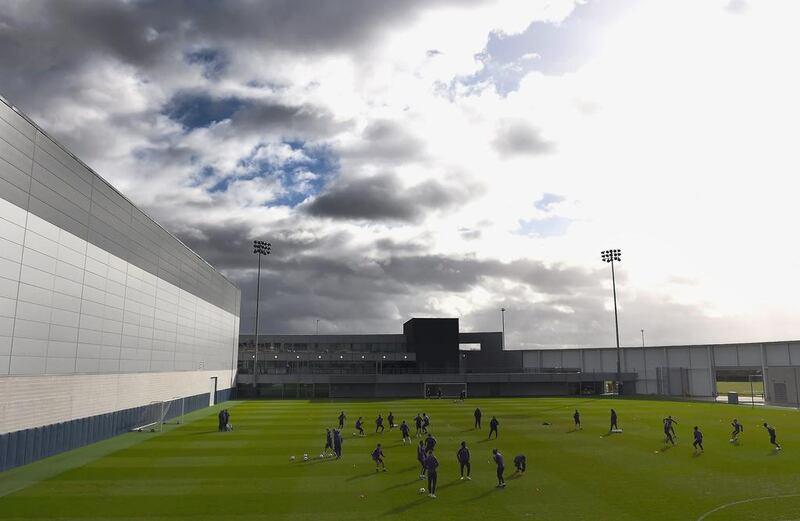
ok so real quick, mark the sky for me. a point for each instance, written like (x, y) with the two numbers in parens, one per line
(447, 158)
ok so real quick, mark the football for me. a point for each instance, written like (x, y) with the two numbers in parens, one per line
(422, 490)
(291, 458)
(305, 457)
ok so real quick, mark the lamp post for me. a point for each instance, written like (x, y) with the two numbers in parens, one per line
(611, 256)
(260, 248)
(503, 324)
(317, 326)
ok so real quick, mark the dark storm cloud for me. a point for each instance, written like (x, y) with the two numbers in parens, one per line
(382, 198)
(519, 138)
(386, 140)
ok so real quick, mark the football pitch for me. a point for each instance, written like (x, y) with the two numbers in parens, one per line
(191, 471)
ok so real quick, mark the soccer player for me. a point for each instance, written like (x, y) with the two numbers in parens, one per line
(771, 431)
(698, 439)
(613, 421)
(421, 458)
(520, 463)
(671, 422)
(337, 443)
(221, 417)
(669, 430)
(493, 423)
(478, 415)
(431, 464)
(430, 443)
(418, 424)
(737, 430)
(577, 418)
(462, 395)
(360, 426)
(463, 460)
(501, 466)
(379, 423)
(426, 422)
(404, 431)
(390, 418)
(328, 442)
(377, 457)
(342, 418)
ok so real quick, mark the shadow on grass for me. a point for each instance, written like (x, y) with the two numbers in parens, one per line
(481, 496)
(401, 485)
(408, 506)
(362, 476)
(697, 454)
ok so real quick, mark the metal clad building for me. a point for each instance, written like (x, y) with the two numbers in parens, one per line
(102, 311)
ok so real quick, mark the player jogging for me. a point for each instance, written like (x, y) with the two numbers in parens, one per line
(431, 466)
(613, 421)
(421, 458)
(498, 459)
(771, 431)
(577, 418)
(520, 463)
(404, 432)
(698, 439)
(738, 428)
(377, 457)
(493, 427)
(669, 430)
(379, 423)
(342, 418)
(463, 460)
(360, 426)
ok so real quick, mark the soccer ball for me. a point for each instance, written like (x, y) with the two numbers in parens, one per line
(321, 456)
(305, 457)
(291, 458)
(422, 490)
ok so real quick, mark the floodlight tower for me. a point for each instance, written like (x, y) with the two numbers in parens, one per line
(611, 256)
(503, 324)
(260, 248)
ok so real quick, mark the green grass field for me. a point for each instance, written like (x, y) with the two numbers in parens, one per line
(193, 472)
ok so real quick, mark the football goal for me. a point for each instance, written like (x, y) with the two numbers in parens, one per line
(154, 415)
(445, 390)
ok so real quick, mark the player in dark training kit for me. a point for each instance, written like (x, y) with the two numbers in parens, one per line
(390, 419)
(421, 458)
(379, 423)
(669, 430)
(430, 443)
(520, 463)
(501, 467)
(342, 418)
(404, 431)
(478, 415)
(698, 439)
(737, 430)
(463, 460)
(431, 466)
(771, 431)
(418, 425)
(360, 426)
(613, 421)
(426, 422)
(577, 418)
(328, 442)
(337, 443)
(493, 428)
(377, 457)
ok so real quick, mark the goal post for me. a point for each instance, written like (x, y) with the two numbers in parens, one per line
(445, 390)
(153, 416)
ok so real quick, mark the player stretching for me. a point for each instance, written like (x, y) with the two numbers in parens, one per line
(328, 442)
(498, 459)
(431, 466)
(379, 424)
(421, 458)
(360, 426)
(520, 463)
(493, 428)
(669, 430)
(613, 421)
(771, 431)
(698, 439)
(404, 432)
(377, 457)
(577, 418)
(463, 460)
(737, 430)
(342, 418)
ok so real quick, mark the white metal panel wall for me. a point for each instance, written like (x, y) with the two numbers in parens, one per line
(530, 359)
(749, 355)
(698, 357)
(551, 358)
(593, 363)
(726, 356)
(777, 354)
(572, 358)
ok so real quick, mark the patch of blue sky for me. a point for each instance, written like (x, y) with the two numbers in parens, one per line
(547, 201)
(213, 61)
(554, 226)
(197, 110)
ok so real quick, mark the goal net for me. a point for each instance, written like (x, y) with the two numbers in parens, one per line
(445, 390)
(154, 415)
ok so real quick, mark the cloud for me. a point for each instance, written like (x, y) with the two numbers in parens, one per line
(518, 137)
(384, 198)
